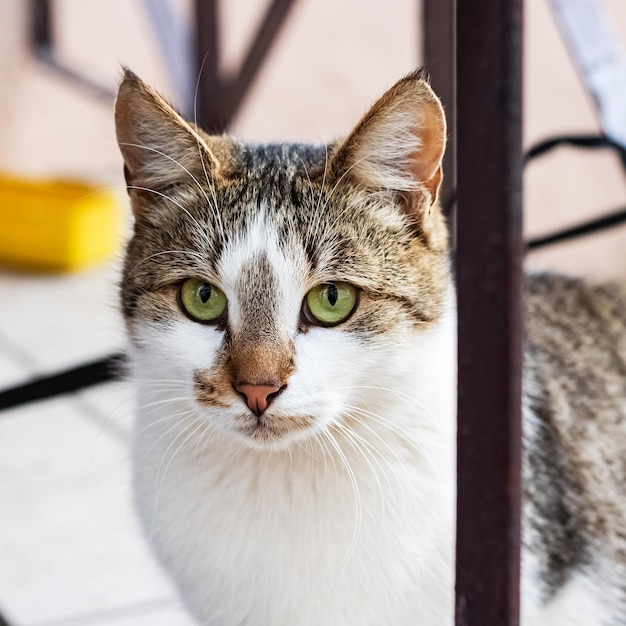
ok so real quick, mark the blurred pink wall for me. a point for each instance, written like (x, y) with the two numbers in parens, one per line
(331, 62)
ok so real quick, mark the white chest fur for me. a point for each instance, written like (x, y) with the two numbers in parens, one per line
(307, 538)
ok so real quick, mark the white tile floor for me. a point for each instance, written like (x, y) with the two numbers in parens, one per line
(71, 552)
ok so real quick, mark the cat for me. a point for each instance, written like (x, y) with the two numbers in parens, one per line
(292, 325)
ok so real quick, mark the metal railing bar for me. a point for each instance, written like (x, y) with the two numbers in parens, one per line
(489, 277)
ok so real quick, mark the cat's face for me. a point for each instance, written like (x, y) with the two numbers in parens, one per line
(278, 286)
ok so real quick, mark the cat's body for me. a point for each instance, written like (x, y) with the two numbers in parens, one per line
(575, 452)
(329, 498)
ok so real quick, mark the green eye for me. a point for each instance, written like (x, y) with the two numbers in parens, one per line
(330, 304)
(202, 301)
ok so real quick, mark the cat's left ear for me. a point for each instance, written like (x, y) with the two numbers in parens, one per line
(399, 146)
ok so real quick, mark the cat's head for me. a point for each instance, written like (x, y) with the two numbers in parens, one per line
(285, 288)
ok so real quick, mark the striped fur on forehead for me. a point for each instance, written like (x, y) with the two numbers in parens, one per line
(258, 294)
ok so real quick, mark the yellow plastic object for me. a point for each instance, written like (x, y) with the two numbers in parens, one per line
(56, 225)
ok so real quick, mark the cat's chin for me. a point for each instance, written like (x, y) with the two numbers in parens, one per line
(273, 431)
(269, 436)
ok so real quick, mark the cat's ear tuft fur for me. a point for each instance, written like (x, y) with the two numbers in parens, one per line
(159, 147)
(399, 145)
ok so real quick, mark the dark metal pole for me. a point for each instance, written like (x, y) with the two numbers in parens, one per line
(212, 99)
(220, 96)
(67, 381)
(439, 58)
(41, 24)
(488, 265)
(266, 35)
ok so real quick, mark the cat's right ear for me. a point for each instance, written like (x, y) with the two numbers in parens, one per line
(159, 147)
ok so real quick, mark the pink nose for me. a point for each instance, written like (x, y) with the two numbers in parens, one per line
(258, 397)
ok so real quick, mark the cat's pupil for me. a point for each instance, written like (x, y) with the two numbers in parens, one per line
(204, 292)
(332, 294)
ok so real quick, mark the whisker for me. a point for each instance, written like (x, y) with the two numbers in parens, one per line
(203, 439)
(161, 402)
(160, 479)
(399, 461)
(317, 438)
(306, 171)
(394, 428)
(317, 217)
(211, 183)
(162, 384)
(357, 444)
(156, 254)
(356, 493)
(335, 186)
(326, 451)
(161, 420)
(167, 156)
(408, 400)
(176, 418)
(319, 211)
(201, 424)
(201, 230)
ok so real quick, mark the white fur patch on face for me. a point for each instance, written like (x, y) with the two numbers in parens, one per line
(176, 351)
(261, 239)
